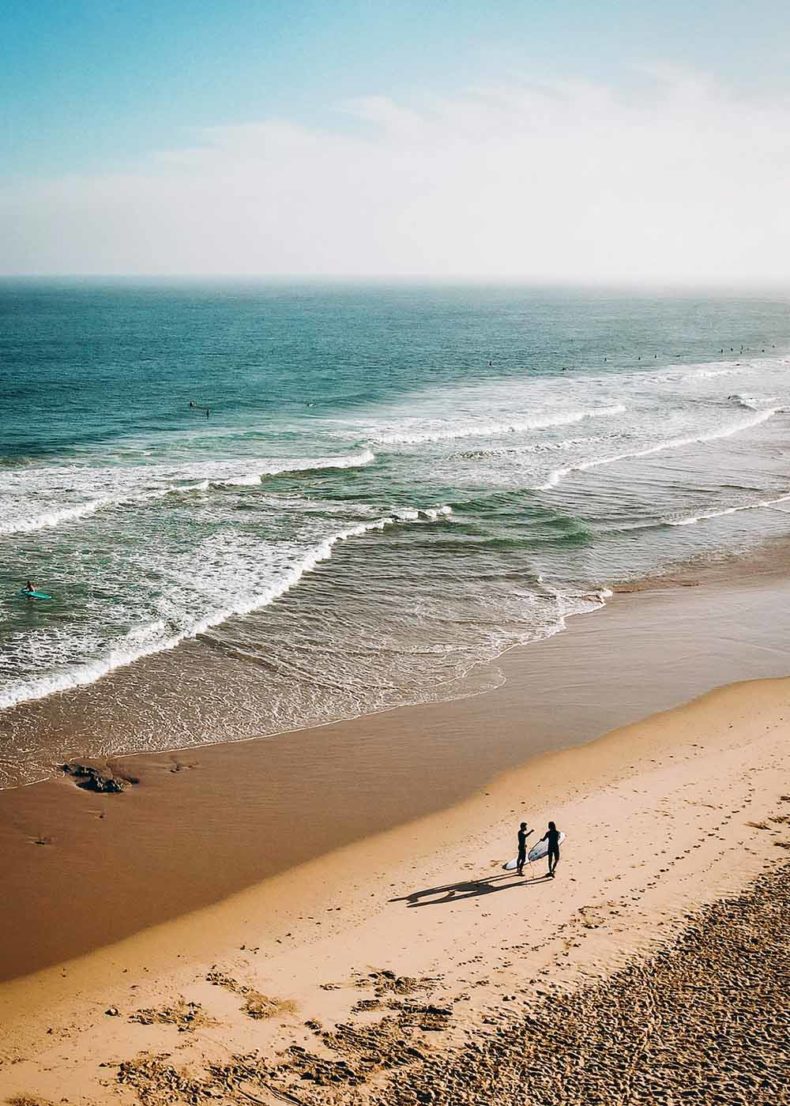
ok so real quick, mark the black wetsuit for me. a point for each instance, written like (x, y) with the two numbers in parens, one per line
(522, 847)
(553, 838)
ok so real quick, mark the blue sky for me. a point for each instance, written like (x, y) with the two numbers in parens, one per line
(548, 140)
(89, 84)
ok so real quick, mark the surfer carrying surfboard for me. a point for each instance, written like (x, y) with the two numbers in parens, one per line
(523, 834)
(552, 835)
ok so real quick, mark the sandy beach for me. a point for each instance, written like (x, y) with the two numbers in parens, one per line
(394, 555)
(376, 960)
(84, 870)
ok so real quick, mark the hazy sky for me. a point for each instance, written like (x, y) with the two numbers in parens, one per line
(587, 141)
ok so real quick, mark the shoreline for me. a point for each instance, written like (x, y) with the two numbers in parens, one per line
(81, 716)
(404, 938)
(203, 824)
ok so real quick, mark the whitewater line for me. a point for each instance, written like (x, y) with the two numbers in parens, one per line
(496, 429)
(54, 518)
(51, 519)
(126, 652)
(674, 443)
(726, 511)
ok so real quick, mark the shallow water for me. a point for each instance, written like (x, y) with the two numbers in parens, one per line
(391, 485)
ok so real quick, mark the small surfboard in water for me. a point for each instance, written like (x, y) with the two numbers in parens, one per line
(34, 594)
(537, 852)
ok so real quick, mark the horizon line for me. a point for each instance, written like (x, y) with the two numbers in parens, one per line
(712, 283)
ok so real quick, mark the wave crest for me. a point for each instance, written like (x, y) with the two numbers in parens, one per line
(191, 479)
(157, 637)
(494, 429)
(692, 519)
(673, 443)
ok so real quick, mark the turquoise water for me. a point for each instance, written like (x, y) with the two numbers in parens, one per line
(392, 485)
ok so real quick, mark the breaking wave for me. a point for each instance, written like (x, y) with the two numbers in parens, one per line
(198, 477)
(559, 474)
(494, 429)
(161, 635)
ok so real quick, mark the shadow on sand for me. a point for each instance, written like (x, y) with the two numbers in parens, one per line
(468, 889)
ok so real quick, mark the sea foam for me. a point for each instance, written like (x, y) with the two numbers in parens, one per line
(35, 485)
(157, 637)
(703, 515)
(494, 428)
(737, 427)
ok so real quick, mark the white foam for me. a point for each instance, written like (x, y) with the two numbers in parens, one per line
(494, 428)
(691, 371)
(277, 468)
(515, 421)
(673, 443)
(564, 445)
(692, 519)
(154, 637)
(752, 402)
(31, 486)
(55, 517)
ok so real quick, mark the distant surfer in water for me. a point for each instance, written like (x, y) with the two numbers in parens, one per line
(29, 587)
(552, 835)
(523, 834)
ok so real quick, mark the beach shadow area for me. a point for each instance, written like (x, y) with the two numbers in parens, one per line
(468, 889)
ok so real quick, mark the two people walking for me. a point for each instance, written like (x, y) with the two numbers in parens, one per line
(552, 836)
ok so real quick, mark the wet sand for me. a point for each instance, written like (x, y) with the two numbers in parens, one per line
(83, 870)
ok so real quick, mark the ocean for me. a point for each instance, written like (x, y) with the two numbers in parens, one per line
(259, 507)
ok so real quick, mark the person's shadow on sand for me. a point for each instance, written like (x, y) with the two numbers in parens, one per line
(467, 889)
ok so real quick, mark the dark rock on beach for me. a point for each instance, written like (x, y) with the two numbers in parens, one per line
(94, 779)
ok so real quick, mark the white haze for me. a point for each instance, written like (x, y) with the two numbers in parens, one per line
(679, 180)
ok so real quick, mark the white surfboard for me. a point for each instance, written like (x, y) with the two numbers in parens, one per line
(537, 852)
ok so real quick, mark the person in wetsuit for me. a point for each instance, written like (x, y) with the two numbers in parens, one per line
(552, 835)
(29, 587)
(523, 834)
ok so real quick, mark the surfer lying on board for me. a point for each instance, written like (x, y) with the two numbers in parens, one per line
(552, 835)
(523, 834)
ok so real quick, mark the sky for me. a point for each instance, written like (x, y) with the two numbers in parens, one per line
(542, 140)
